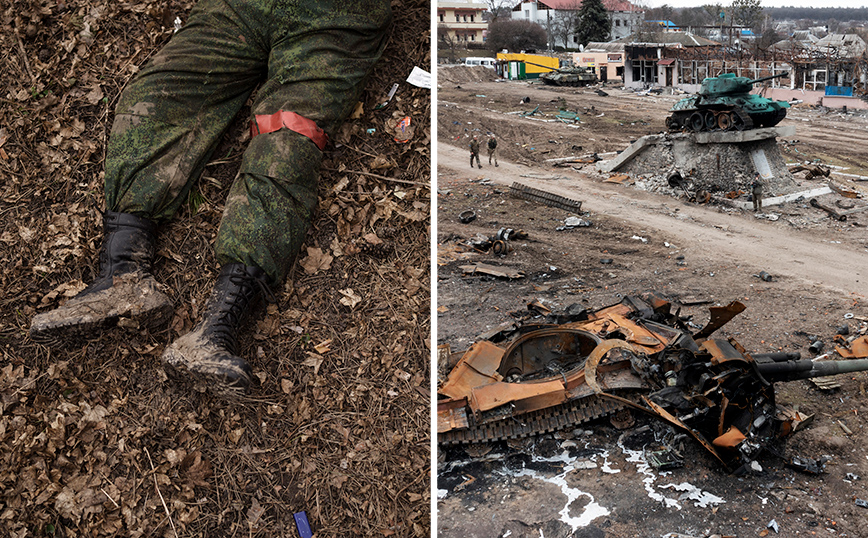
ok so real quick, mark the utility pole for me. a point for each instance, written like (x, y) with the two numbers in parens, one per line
(549, 29)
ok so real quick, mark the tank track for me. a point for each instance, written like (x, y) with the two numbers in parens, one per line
(546, 420)
(517, 190)
(748, 121)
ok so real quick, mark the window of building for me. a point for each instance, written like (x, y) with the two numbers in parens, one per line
(527, 14)
(457, 18)
(472, 37)
(471, 18)
(442, 16)
(465, 18)
(617, 22)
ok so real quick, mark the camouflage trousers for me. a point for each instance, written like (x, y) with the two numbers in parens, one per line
(310, 58)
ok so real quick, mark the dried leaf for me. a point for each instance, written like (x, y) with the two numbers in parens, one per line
(350, 298)
(373, 239)
(95, 95)
(196, 469)
(235, 435)
(254, 513)
(315, 261)
(338, 480)
(315, 361)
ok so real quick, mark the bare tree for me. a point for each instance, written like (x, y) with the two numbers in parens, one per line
(516, 35)
(500, 9)
(746, 13)
(447, 41)
(564, 23)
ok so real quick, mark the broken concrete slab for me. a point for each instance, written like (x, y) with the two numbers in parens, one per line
(492, 270)
(628, 154)
(739, 137)
(776, 200)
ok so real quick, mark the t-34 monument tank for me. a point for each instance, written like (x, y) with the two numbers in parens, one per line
(725, 103)
(569, 76)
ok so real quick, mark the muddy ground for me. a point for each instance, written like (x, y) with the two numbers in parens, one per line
(684, 251)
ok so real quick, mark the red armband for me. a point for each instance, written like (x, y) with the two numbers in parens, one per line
(264, 123)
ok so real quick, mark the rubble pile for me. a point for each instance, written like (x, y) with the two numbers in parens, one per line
(714, 167)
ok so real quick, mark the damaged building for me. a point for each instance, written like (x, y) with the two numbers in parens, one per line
(832, 71)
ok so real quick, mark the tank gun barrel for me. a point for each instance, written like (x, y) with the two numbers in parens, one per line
(763, 79)
(543, 66)
(792, 370)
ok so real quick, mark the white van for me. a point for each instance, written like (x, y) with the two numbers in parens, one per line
(486, 62)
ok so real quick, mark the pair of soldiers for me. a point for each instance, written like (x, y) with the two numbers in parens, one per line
(474, 150)
(307, 62)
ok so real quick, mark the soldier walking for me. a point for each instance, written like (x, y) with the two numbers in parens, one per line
(492, 150)
(474, 151)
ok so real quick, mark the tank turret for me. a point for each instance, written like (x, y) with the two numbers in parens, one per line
(725, 103)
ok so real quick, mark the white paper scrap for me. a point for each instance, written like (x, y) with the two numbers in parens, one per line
(420, 78)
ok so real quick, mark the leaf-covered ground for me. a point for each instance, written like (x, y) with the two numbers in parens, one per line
(95, 440)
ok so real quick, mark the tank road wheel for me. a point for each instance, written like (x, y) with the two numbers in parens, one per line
(710, 120)
(696, 122)
(724, 121)
(737, 122)
(672, 123)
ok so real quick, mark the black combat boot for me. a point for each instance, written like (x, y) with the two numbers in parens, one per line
(125, 292)
(210, 351)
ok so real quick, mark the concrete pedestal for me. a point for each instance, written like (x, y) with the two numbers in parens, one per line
(715, 161)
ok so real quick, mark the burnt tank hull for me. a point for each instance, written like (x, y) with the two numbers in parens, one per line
(636, 355)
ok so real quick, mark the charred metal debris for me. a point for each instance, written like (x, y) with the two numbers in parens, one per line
(526, 379)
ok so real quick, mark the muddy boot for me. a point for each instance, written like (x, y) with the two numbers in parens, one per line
(125, 293)
(209, 351)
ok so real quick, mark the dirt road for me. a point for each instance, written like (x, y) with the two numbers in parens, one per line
(703, 232)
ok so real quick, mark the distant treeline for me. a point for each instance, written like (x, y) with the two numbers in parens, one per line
(817, 13)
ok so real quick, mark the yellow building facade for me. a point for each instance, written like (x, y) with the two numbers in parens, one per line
(462, 20)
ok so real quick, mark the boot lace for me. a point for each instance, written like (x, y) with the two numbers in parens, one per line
(245, 288)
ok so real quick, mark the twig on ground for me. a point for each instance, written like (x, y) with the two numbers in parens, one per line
(157, 487)
(406, 182)
(110, 498)
(24, 57)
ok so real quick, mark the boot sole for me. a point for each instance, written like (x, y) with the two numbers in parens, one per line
(78, 331)
(132, 302)
(221, 374)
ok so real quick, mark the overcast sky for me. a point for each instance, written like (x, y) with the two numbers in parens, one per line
(764, 3)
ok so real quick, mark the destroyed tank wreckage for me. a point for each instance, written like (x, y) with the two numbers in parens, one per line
(636, 355)
(725, 103)
(568, 76)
